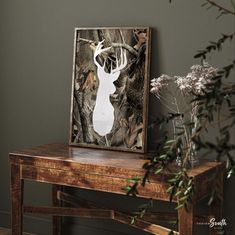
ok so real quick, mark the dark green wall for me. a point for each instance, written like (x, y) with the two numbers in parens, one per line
(36, 44)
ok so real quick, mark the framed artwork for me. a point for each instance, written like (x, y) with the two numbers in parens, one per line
(110, 85)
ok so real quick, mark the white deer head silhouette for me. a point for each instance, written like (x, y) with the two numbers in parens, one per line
(103, 114)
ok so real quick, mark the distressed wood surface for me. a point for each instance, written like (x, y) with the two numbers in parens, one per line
(17, 192)
(67, 211)
(215, 210)
(186, 219)
(56, 220)
(98, 161)
(108, 171)
(143, 225)
(101, 170)
(5, 231)
(150, 216)
(99, 214)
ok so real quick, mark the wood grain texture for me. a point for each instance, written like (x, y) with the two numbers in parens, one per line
(143, 225)
(5, 231)
(56, 220)
(72, 212)
(150, 216)
(106, 171)
(16, 200)
(216, 208)
(98, 214)
(186, 220)
(99, 161)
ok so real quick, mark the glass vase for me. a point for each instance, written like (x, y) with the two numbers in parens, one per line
(192, 159)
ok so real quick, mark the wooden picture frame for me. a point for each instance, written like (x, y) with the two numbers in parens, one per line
(110, 88)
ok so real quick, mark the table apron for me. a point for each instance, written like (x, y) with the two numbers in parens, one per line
(155, 190)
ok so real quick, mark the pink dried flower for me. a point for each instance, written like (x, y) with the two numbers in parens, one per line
(159, 83)
(195, 82)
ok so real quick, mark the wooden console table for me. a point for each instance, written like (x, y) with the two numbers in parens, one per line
(105, 171)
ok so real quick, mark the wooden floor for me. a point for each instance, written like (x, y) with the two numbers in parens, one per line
(4, 231)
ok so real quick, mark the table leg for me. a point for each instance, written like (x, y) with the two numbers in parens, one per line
(17, 191)
(57, 220)
(185, 217)
(216, 207)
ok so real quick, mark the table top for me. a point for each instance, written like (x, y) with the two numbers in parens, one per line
(103, 170)
(116, 162)
(66, 153)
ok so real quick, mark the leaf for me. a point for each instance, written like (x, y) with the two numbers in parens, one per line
(230, 173)
(179, 206)
(178, 193)
(133, 220)
(142, 213)
(187, 190)
(137, 178)
(163, 156)
(132, 181)
(158, 171)
(190, 182)
(170, 141)
(170, 189)
(127, 188)
(180, 183)
(183, 198)
(214, 43)
(173, 180)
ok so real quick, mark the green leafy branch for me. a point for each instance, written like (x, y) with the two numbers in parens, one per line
(213, 46)
(210, 103)
(173, 225)
(157, 163)
(182, 188)
(142, 211)
(132, 188)
(222, 10)
(166, 153)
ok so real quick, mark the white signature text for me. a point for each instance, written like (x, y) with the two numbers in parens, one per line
(214, 223)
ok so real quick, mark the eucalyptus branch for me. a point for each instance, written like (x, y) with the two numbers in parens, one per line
(165, 154)
(225, 71)
(209, 94)
(221, 8)
(143, 209)
(132, 188)
(213, 46)
(181, 188)
(230, 165)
